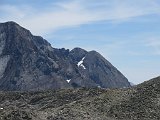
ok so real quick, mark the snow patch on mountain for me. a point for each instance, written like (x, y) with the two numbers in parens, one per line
(80, 63)
(68, 80)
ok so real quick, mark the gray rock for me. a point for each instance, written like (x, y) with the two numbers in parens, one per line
(141, 102)
(34, 65)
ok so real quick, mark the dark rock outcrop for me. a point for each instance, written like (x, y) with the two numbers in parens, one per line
(29, 62)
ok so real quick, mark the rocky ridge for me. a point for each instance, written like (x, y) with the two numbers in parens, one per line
(29, 62)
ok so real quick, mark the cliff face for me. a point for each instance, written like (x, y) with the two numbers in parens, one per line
(29, 62)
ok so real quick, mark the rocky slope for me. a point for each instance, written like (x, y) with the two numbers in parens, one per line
(29, 62)
(141, 102)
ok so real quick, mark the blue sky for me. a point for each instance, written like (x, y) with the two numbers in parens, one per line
(125, 32)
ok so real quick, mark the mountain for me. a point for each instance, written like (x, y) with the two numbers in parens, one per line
(29, 62)
(141, 102)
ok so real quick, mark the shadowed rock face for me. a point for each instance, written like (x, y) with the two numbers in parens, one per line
(29, 62)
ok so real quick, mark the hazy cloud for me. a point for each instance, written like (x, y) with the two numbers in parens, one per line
(75, 13)
(154, 44)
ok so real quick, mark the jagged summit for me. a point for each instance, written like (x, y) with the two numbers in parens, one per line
(29, 62)
(10, 23)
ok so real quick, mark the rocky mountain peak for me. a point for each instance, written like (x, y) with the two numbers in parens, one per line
(14, 28)
(10, 23)
(29, 62)
(77, 54)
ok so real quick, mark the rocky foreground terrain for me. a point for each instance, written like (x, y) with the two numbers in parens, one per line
(141, 102)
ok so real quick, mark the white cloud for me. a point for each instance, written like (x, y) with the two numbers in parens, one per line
(75, 13)
(154, 44)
